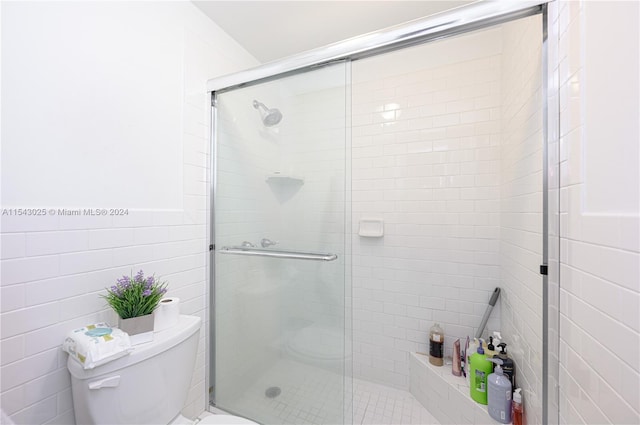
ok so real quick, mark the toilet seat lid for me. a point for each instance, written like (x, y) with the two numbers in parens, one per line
(225, 420)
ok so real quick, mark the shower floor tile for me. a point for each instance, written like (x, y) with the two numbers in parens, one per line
(314, 396)
(375, 404)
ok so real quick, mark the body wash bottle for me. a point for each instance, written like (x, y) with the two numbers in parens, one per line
(499, 394)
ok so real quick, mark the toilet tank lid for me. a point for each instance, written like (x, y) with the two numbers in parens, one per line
(162, 341)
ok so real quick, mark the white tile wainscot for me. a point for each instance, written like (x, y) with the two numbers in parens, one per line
(444, 395)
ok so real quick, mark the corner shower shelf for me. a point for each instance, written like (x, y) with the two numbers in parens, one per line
(284, 179)
(284, 186)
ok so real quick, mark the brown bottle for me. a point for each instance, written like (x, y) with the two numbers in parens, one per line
(436, 345)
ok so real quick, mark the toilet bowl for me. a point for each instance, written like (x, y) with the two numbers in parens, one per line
(148, 386)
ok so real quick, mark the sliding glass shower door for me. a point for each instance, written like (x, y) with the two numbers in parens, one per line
(281, 341)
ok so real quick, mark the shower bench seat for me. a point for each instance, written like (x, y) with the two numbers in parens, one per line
(444, 395)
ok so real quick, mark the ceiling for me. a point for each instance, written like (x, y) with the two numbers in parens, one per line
(271, 30)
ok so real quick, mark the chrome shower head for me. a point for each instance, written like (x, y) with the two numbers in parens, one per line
(270, 117)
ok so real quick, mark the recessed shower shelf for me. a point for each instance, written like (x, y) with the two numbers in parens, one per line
(284, 179)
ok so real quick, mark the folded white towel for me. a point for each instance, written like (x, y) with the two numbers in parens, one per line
(96, 344)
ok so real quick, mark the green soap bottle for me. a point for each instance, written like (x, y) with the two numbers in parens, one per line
(480, 369)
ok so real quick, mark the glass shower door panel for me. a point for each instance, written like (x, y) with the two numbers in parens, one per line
(279, 296)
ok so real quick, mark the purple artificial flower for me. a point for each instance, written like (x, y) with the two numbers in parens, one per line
(124, 283)
(129, 294)
(139, 276)
(150, 281)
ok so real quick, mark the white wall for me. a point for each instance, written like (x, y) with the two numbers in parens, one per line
(600, 240)
(84, 105)
(123, 80)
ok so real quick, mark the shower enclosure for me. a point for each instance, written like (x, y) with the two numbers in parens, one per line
(437, 134)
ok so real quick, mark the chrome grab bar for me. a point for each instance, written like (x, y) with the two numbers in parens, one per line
(257, 252)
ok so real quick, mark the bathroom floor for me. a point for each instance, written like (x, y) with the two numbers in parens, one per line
(314, 396)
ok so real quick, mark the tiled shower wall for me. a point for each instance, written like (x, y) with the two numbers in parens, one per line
(426, 160)
(597, 70)
(54, 268)
(521, 206)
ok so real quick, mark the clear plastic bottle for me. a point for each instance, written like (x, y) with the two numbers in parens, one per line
(436, 345)
(517, 410)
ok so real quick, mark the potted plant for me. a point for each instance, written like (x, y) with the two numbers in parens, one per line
(134, 298)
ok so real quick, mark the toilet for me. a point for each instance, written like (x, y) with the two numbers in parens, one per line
(148, 386)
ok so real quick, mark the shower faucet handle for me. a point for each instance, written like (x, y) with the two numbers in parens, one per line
(247, 244)
(267, 242)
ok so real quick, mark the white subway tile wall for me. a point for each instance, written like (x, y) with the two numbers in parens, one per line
(599, 375)
(426, 160)
(450, 156)
(54, 268)
(521, 201)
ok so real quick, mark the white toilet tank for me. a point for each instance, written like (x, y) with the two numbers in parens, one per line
(149, 386)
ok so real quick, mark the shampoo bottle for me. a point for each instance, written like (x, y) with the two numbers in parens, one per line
(499, 394)
(479, 371)
(436, 345)
(508, 365)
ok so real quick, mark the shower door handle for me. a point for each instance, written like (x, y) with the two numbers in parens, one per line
(295, 255)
